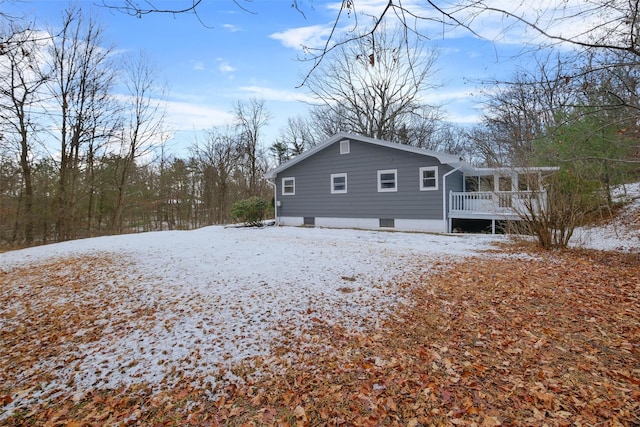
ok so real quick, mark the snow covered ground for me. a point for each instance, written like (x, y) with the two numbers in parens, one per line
(190, 304)
(623, 234)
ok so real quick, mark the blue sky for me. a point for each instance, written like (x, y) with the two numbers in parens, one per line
(238, 55)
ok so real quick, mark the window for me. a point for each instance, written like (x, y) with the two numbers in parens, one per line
(345, 146)
(505, 183)
(288, 186)
(528, 182)
(338, 183)
(471, 183)
(429, 178)
(486, 183)
(387, 180)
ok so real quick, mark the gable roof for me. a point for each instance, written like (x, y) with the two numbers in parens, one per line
(446, 159)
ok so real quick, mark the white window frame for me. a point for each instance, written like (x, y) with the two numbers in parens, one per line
(422, 171)
(345, 146)
(333, 183)
(292, 185)
(395, 180)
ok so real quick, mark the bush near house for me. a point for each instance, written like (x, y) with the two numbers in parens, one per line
(250, 211)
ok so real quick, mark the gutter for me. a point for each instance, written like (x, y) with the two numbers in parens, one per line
(272, 181)
(444, 197)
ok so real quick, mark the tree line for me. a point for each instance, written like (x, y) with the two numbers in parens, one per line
(82, 142)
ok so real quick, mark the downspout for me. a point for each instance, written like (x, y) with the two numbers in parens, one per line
(444, 198)
(275, 198)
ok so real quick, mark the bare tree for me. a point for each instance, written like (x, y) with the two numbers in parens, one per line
(81, 82)
(22, 74)
(552, 212)
(374, 87)
(520, 113)
(299, 135)
(142, 123)
(11, 20)
(140, 8)
(329, 120)
(250, 119)
(217, 158)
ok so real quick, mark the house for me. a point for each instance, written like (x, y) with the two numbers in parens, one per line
(351, 181)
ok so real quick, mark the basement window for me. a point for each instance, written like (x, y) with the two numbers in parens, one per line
(387, 222)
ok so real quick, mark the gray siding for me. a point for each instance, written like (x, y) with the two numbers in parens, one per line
(313, 196)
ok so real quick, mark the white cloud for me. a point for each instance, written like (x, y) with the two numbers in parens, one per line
(199, 66)
(231, 28)
(444, 96)
(460, 105)
(224, 66)
(298, 38)
(190, 116)
(463, 118)
(276, 94)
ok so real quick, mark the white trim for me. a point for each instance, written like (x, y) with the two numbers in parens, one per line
(418, 225)
(289, 178)
(333, 186)
(345, 146)
(428, 168)
(291, 221)
(510, 170)
(395, 180)
(276, 202)
(445, 199)
(366, 223)
(425, 225)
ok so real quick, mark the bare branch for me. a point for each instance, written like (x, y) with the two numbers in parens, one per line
(133, 7)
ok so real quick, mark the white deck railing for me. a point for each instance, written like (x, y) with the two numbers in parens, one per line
(502, 203)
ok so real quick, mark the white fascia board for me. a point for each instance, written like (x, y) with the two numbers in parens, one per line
(505, 170)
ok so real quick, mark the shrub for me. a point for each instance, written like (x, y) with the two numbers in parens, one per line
(250, 211)
(552, 216)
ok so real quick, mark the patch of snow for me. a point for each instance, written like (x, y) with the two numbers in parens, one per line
(622, 234)
(193, 303)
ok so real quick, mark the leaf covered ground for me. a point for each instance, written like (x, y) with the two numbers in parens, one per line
(536, 339)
